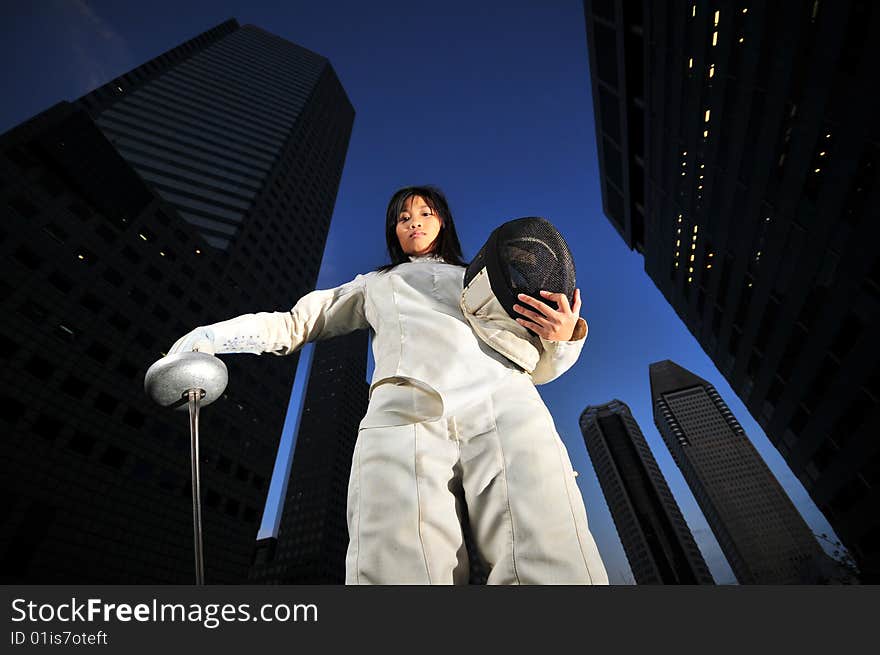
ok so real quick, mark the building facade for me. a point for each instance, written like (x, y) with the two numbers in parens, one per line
(656, 539)
(762, 535)
(103, 269)
(739, 153)
(313, 534)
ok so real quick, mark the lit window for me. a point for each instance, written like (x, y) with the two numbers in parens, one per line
(745, 10)
(694, 10)
(817, 170)
(828, 136)
(695, 228)
(708, 265)
(702, 165)
(80, 257)
(700, 186)
(692, 258)
(714, 39)
(198, 252)
(711, 254)
(161, 253)
(691, 62)
(677, 243)
(683, 173)
(717, 16)
(142, 236)
(690, 279)
(701, 176)
(741, 39)
(822, 154)
(705, 134)
(712, 70)
(706, 118)
(676, 264)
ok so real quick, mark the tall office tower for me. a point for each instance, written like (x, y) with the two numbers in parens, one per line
(262, 569)
(313, 533)
(657, 541)
(764, 538)
(738, 150)
(103, 268)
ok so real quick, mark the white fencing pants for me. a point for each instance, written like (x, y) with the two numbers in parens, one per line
(503, 458)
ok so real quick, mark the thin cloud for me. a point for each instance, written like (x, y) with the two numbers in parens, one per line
(100, 52)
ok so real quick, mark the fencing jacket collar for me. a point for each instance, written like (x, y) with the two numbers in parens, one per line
(427, 258)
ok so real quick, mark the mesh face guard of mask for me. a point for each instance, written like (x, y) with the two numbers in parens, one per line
(525, 255)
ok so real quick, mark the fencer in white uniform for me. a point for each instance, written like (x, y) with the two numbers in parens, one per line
(451, 422)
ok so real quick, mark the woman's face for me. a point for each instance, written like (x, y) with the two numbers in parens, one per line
(418, 227)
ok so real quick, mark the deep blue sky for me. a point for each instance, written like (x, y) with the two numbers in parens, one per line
(488, 100)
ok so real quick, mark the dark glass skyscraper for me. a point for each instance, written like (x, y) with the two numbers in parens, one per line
(738, 149)
(118, 236)
(764, 538)
(312, 535)
(657, 541)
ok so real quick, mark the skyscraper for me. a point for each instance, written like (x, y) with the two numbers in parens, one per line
(764, 538)
(313, 535)
(119, 235)
(739, 154)
(657, 541)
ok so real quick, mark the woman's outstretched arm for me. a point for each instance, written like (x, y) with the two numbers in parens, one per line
(317, 315)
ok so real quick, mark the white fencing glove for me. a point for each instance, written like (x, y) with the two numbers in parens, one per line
(242, 334)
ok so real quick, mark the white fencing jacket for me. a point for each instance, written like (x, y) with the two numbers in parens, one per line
(455, 343)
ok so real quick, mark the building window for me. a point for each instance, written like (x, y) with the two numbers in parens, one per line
(131, 255)
(34, 311)
(114, 457)
(847, 336)
(80, 211)
(39, 367)
(56, 233)
(99, 352)
(47, 427)
(145, 339)
(113, 276)
(60, 281)
(74, 386)
(23, 206)
(28, 257)
(82, 443)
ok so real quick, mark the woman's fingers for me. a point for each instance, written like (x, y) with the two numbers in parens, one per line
(560, 299)
(556, 325)
(537, 318)
(542, 307)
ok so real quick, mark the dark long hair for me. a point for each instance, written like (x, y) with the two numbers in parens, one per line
(448, 245)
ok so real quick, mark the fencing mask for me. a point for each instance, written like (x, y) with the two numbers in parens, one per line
(525, 255)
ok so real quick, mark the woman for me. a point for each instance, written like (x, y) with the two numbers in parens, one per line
(451, 425)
